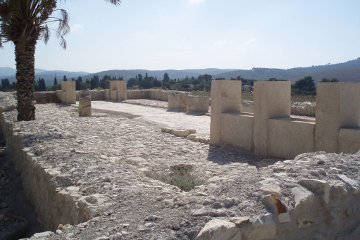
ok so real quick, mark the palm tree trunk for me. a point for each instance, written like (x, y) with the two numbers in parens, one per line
(25, 75)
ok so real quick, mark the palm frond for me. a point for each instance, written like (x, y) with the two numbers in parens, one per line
(115, 2)
(45, 33)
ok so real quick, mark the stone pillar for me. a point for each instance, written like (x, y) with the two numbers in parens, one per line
(177, 101)
(337, 106)
(225, 97)
(68, 92)
(272, 100)
(118, 90)
(85, 103)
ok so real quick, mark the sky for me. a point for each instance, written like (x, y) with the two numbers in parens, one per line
(191, 34)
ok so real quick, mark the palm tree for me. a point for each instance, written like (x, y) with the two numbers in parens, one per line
(23, 22)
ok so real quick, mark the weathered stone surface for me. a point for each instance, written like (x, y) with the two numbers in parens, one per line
(319, 187)
(353, 185)
(217, 229)
(301, 195)
(262, 228)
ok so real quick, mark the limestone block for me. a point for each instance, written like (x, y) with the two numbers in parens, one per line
(272, 100)
(85, 107)
(177, 101)
(349, 140)
(288, 137)
(197, 104)
(352, 184)
(181, 133)
(118, 90)
(263, 228)
(309, 209)
(215, 128)
(225, 98)
(59, 95)
(301, 195)
(338, 191)
(217, 229)
(237, 130)
(68, 92)
(335, 109)
(319, 187)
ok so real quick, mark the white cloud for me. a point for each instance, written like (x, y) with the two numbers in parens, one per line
(77, 28)
(195, 2)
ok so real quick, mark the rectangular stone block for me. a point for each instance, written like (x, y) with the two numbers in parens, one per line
(225, 97)
(68, 92)
(272, 100)
(337, 106)
(237, 130)
(177, 101)
(197, 104)
(349, 140)
(215, 128)
(118, 90)
(290, 137)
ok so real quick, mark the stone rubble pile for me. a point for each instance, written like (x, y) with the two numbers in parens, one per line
(315, 196)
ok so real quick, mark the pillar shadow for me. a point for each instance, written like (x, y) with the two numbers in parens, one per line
(223, 155)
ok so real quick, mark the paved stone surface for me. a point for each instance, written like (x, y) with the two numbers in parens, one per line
(162, 117)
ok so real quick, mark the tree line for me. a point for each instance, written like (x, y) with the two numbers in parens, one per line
(304, 86)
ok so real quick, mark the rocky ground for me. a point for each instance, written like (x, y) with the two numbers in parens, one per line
(111, 161)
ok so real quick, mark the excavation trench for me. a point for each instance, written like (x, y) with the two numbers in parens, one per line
(37, 201)
(17, 216)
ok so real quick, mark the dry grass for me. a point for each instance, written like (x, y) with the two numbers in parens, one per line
(181, 177)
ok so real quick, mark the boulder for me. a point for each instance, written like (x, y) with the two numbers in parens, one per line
(217, 229)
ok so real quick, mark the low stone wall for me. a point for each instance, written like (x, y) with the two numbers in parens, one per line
(46, 97)
(197, 104)
(104, 95)
(297, 108)
(96, 95)
(177, 101)
(50, 192)
(138, 94)
(154, 94)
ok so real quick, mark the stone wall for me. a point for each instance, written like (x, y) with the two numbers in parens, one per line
(155, 94)
(274, 133)
(54, 199)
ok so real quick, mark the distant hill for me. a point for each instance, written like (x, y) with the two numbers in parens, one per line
(345, 72)
(6, 71)
(159, 74)
(41, 73)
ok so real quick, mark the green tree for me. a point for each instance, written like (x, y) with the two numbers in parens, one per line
(55, 82)
(305, 86)
(5, 84)
(23, 22)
